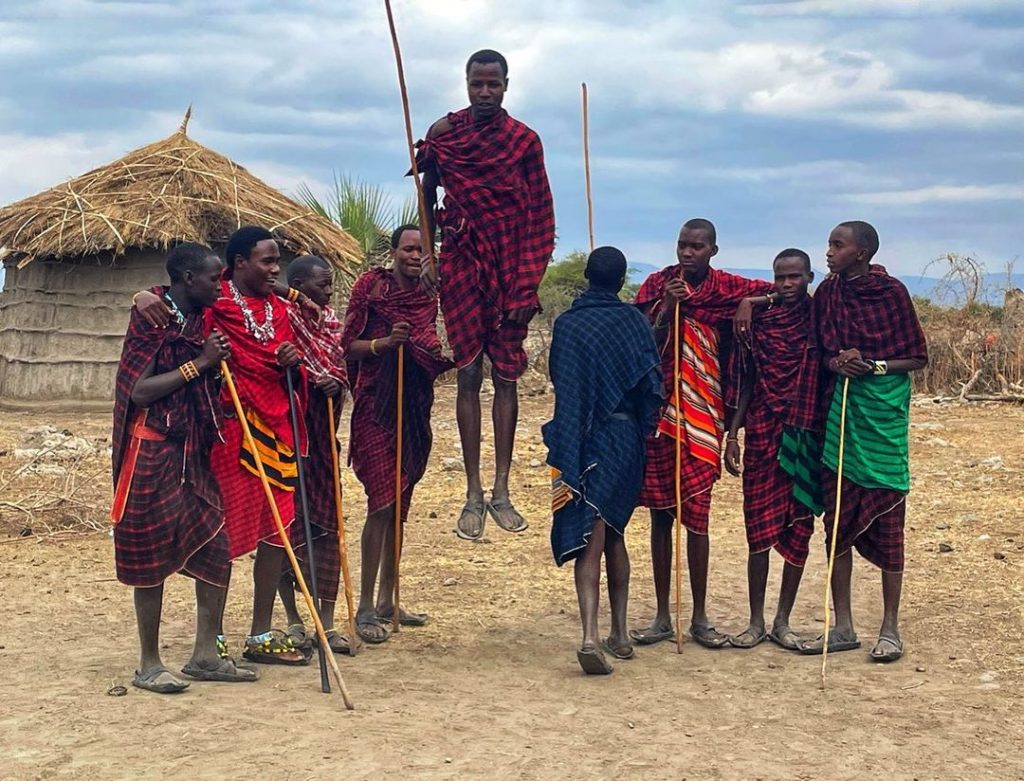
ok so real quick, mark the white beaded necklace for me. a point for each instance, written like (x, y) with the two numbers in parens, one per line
(263, 333)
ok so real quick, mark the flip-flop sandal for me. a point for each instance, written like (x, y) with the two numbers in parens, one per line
(757, 638)
(621, 652)
(372, 639)
(473, 509)
(407, 618)
(836, 644)
(270, 647)
(779, 638)
(225, 671)
(593, 662)
(336, 640)
(495, 508)
(648, 636)
(887, 656)
(709, 637)
(149, 681)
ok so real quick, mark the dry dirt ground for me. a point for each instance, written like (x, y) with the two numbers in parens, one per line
(491, 688)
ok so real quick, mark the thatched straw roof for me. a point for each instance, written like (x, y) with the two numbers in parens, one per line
(173, 190)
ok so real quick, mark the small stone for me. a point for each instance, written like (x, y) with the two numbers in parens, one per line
(451, 464)
(432, 514)
(987, 677)
(117, 691)
(942, 526)
(450, 582)
(945, 547)
(630, 724)
(447, 760)
(534, 463)
(952, 658)
(921, 670)
(771, 665)
(999, 555)
(983, 537)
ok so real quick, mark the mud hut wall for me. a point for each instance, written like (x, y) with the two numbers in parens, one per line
(62, 324)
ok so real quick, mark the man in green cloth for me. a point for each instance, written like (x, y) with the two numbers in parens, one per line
(870, 340)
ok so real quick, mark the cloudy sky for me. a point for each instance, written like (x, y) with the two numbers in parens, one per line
(775, 120)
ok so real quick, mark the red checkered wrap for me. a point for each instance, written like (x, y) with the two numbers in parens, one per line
(327, 557)
(713, 304)
(498, 233)
(773, 516)
(870, 520)
(872, 313)
(172, 519)
(376, 303)
(320, 344)
(246, 514)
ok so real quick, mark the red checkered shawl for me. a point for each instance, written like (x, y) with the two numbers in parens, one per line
(320, 345)
(710, 307)
(785, 357)
(191, 413)
(872, 313)
(377, 291)
(496, 199)
(258, 376)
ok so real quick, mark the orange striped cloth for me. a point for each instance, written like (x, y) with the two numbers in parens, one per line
(700, 394)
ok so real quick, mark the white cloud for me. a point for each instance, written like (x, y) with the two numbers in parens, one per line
(907, 8)
(940, 193)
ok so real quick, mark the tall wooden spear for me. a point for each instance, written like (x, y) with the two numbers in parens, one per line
(353, 646)
(400, 409)
(835, 531)
(426, 236)
(586, 164)
(678, 485)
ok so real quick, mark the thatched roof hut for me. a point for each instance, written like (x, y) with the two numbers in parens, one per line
(74, 254)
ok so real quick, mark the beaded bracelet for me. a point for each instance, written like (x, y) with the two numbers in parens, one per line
(293, 294)
(189, 371)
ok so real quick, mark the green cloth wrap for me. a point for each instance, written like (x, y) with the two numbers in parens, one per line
(800, 458)
(877, 449)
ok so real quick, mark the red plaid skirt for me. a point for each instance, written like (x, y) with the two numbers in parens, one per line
(773, 517)
(247, 516)
(474, 325)
(165, 527)
(870, 520)
(697, 478)
(372, 453)
(326, 556)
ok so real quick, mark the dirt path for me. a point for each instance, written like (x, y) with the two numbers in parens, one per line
(491, 688)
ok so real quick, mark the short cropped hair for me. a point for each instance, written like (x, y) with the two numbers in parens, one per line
(699, 223)
(486, 57)
(396, 234)
(188, 256)
(793, 252)
(243, 240)
(302, 267)
(606, 268)
(864, 234)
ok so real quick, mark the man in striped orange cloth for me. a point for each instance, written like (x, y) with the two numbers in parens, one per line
(707, 300)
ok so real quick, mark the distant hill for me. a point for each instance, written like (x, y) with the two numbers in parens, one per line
(993, 285)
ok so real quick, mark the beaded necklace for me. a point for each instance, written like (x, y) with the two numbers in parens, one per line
(179, 318)
(262, 333)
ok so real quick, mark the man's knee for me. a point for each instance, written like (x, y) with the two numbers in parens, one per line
(501, 385)
(471, 376)
(662, 520)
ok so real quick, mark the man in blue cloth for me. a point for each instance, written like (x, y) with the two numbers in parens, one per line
(606, 372)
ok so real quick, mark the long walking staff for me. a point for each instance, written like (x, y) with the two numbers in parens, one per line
(835, 529)
(586, 164)
(346, 575)
(307, 524)
(426, 238)
(282, 534)
(679, 492)
(400, 403)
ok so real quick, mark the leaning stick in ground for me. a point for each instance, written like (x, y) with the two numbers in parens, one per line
(835, 530)
(586, 164)
(282, 534)
(399, 402)
(353, 646)
(679, 490)
(426, 235)
(307, 527)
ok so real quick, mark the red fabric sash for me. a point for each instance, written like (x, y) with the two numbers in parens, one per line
(139, 432)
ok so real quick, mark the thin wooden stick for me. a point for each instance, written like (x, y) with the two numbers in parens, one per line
(400, 403)
(282, 534)
(679, 491)
(353, 646)
(426, 237)
(835, 529)
(586, 164)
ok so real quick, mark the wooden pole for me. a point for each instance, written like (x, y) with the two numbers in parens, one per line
(586, 164)
(307, 523)
(282, 534)
(426, 237)
(679, 488)
(400, 402)
(835, 529)
(353, 646)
